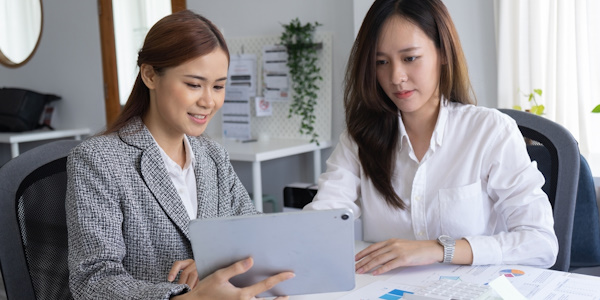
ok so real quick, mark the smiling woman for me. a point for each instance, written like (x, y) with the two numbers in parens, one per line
(20, 30)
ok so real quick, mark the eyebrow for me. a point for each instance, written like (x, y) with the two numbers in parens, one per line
(204, 78)
(409, 49)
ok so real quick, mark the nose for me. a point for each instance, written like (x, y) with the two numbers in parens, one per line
(399, 75)
(206, 99)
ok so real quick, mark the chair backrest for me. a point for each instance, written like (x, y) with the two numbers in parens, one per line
(585, 247)
(33, 233)
(556, 152)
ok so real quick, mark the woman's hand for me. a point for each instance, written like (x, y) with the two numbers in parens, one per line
(189, 273)
(395, 253)
(217, 285)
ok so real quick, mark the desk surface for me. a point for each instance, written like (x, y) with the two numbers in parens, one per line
(533, 283)
(271, 149)
(36, 135)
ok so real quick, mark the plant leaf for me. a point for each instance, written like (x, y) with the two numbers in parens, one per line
(517, 107)
(538, 91)
(596, 109)
(537, 109)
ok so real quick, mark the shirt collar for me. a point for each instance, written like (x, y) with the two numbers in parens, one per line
(190, 159)
(438, 132)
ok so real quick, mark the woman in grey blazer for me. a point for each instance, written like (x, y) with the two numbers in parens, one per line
(133, 189)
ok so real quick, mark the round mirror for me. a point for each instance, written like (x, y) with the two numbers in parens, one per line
(20, 30)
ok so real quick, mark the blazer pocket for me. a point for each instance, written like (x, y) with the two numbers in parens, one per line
(462, 210)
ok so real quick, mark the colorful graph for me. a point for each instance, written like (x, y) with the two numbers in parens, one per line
(394, 294)
(511, 273)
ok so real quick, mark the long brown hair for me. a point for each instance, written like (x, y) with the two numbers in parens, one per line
(173, 40)
(371, 116)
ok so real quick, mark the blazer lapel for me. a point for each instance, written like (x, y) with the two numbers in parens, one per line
(204, 211)
(154, 174)
(160, 184)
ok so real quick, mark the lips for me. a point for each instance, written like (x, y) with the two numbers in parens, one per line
(201, 117)
(404, 94)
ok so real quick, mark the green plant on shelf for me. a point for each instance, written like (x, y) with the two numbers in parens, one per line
(535, 108)
(302, 62)
(596, 109)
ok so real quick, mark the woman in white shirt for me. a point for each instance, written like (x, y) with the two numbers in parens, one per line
(435, 178)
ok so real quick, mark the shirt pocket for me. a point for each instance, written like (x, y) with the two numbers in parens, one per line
(462, 211)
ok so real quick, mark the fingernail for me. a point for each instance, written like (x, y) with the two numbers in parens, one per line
(359, 271)
(247, 262)
(171, 278)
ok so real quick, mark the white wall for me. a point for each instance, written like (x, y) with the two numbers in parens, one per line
(67, 63)
(68, 60)
(474, 21)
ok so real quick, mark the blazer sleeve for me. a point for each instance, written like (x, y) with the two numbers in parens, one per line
(96, 244)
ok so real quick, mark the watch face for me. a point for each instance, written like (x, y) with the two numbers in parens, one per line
(447, 240)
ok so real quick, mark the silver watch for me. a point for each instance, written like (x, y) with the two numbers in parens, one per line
(448, 243)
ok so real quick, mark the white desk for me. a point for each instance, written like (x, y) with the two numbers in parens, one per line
(256, 152)
(538, 284)
(14, 138)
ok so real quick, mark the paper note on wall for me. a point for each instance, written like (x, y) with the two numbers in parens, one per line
(275, 73)
(236, 113)
(263, 107)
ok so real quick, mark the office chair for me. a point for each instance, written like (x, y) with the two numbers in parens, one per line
(33, 236)
(557, 155)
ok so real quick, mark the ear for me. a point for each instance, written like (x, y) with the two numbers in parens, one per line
(148, 76)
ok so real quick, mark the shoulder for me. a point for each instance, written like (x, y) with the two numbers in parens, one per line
(203, 145)
(479, 117)
(101, 148)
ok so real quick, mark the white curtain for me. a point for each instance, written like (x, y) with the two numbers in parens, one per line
(553, 45)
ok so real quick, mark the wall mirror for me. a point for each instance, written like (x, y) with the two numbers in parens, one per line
(20, 30)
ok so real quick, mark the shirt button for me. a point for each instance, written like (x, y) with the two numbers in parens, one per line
(418, 198)
(420, 233)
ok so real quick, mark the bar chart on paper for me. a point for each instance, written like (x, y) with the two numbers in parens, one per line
(380, 290)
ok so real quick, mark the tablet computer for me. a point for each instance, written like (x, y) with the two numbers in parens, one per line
(318, 246)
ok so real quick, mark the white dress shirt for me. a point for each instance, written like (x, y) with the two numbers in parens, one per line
(184, 178)
(476, 181)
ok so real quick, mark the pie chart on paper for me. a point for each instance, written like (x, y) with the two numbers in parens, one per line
(511, 273)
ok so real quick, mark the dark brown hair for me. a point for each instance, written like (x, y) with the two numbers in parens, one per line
(172, 41)
(371, 116)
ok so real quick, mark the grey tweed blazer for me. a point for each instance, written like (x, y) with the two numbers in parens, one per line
(127, 223)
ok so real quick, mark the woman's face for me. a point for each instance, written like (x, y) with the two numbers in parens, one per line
(408, 65)
(186, 97)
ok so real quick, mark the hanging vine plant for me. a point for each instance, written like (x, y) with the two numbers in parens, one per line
(302, 62)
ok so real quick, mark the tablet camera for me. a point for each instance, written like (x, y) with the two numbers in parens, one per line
(345, 217)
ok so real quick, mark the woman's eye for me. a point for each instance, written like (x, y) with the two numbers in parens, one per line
(219, 87)
(411, 58)
(195, 86)
(381, 62)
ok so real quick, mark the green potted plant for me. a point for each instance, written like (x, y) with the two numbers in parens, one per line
(535, 108)
(596, 109)
(304, 72)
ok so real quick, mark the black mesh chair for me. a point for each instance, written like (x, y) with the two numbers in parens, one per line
(33, 234)
(556, 152)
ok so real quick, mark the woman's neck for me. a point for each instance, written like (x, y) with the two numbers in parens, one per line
(419, 127)
(171, 143)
